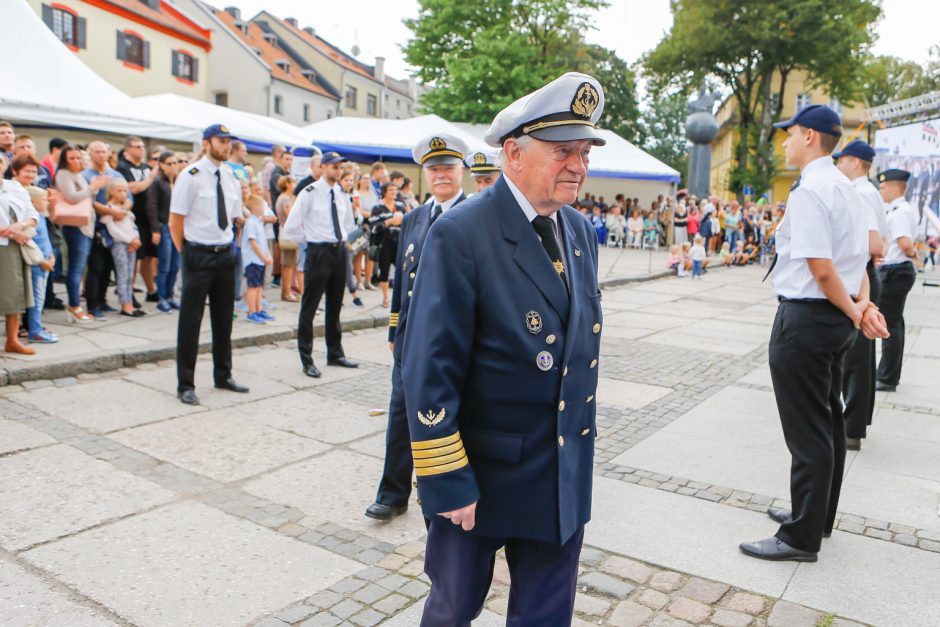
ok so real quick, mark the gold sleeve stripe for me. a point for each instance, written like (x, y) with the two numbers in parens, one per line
(439, 470)
(437, 452)
(426, 444)
(393, 320)
(439, 461)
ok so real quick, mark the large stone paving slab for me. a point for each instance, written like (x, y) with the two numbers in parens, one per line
(411, 616)
(891, 497)
(685, 534)
(315, 416)
(189, 564)
(106, 405)
(905, 424)
(904, 456)
(50, 492)
(285, 367)
(223, 444)
(26, 600)
(868, 580)
(18, 437)
(337, 487)
(628, 394)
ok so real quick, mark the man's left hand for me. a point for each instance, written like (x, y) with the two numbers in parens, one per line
(873, 324)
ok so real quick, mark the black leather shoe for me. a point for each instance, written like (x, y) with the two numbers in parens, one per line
(229, 384)
(776, 550)
(342, 362)
(784, 516)
(188, 397)
(312, 371)
(380, 511)
(884, 387)
(853, 444)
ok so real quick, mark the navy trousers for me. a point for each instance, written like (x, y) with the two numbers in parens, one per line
(544, 577)
(395, 486)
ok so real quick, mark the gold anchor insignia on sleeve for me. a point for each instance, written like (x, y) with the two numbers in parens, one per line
(432, 419)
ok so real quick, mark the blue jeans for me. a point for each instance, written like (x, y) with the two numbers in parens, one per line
(732, 237)
(34, 313)
(79, 245)
(168, 260)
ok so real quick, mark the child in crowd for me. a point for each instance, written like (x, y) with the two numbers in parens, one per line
(749, 250)
(685, 267)
(126, 240)
(738, 256)
(40, 272)
(699, 257)
(255, 258)
(672, 261)
(725, 257)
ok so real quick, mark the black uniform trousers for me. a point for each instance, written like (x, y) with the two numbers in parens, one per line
(460, 566)
(896, 281)
(324, 274)
(395, 486)
(807, 347)
(858, 383)
(98, 273)
(208, 271)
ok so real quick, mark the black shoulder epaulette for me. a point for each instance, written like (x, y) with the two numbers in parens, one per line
(309, 188)
(193, 170)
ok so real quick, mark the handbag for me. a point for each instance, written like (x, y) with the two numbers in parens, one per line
(72, 214)
(31, 252)
(287, 243)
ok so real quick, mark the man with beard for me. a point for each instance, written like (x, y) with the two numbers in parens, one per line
(441, 158)
(206, 201)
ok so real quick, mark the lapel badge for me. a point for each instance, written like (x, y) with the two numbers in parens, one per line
(577, 253)
(545, 361)
(432, 419)
(559, 266)
(410, 249)
(533, 322)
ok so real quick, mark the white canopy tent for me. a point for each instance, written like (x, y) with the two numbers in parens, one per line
(66, 93)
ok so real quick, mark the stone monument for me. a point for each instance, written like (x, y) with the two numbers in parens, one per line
(701, 127)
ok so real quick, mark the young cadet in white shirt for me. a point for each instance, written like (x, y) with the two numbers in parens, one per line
(322, 217)
(858, 383)
(205, 203)
(897, 273)
(820, 281)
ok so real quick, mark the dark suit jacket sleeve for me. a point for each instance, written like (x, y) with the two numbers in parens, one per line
(438, 344)
(396, 288)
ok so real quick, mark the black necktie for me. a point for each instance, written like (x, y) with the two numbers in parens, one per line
(220, 214)
(436, 212)
(773, 262)
(546, 229)
(335, 215)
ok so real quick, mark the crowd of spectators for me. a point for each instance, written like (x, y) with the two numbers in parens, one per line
(733, 233)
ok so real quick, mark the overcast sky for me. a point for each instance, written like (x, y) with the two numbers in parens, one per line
(631, 27)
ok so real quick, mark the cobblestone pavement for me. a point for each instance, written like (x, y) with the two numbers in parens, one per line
(122, 506)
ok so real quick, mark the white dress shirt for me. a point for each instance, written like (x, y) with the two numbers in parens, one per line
(871, 200)
(822, 221)
(447, 204)
(311, 218)
(531, 214)
(14, 196)
(902, 221)
(194, 197)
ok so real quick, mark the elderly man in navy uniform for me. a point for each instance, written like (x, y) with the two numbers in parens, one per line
(823, 291)
(897, 273)
(441, 158)
(205, 205)
(500, 368)
(483, 168)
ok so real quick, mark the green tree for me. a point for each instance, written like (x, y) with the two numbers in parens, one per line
(479, 57)
(662, 130)
(890, 78)
(751, 48)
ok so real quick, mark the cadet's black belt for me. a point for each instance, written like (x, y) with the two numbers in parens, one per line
(208, 248)
(325, 244)
(811, 301)
(898, 264)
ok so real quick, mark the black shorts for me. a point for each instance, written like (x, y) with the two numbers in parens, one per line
(254, 275)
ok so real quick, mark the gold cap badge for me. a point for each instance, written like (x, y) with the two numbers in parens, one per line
(438, 144)
(223, 128)
(585, 101)
(479, 158)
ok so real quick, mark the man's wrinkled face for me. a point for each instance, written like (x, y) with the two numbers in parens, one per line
(554, 171)
(444, 180)
(482, 181)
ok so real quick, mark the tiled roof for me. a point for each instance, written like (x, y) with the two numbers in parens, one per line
(272, 54)
(331, 51)
(167, 18)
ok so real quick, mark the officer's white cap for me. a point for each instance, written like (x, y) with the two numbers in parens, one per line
(439, 149)
(566, 109)
(482, 162)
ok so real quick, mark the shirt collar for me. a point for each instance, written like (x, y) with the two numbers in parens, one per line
(321, 183)
(897, 202)
(448, 203)
(816, 164)
(206, 163)
(527, 208)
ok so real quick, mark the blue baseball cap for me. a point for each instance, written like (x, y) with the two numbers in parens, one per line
(856, 148)
(817, 117)
(332, 157)
(217, 130)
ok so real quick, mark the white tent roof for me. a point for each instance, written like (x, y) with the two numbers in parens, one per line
(619, 159)
(390, 139)
(199, 114)
(66, 92)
